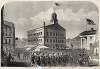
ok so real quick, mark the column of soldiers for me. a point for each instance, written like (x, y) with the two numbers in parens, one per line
(56, 60)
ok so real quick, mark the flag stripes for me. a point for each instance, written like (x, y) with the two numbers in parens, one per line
(90, 22)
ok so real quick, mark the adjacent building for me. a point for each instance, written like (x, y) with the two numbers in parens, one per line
(8, 36)
(89, 41)
(74, 43)
(52, 36)
(20, 43)
(88, 38)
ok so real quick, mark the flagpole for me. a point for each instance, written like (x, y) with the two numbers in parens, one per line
(86, 26)
(89, 22)
(55, 5)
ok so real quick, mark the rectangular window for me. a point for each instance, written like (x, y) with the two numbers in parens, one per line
(9, 41)
(47, 40)
(6, 30)
(56, 34)
(5, 41)
(10, 32)
(41, 40)
(62, 41)
(50, 33)
(90, 37)
(37, 34)
(47, 33)
(58, 41)
(53, 34)
(28, 40)
(50, 40)
(54, 40)
(41, 33)
(6, 33)
(90, 44)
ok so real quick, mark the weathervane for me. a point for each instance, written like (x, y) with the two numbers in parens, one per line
(55, 5)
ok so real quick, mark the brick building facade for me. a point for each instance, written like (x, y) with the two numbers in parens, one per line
(52, 36)
(8, 36)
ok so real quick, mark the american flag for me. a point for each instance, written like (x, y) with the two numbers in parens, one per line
(90, 22)
(57, 4)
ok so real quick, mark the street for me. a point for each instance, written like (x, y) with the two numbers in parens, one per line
(60, 60)
(19, 64)
(26, 64)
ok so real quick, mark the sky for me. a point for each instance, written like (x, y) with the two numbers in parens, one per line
(71, 15)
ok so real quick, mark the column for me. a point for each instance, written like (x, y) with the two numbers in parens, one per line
(81, 42)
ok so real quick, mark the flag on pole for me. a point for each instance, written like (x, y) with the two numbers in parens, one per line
(90, 22)
(57, 4)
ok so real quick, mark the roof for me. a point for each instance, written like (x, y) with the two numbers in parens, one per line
(90, 32)
(8, 23)
(56, 26)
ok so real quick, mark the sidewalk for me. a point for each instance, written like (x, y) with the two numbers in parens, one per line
(16, 59)
(94, 62)
(20, 62)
